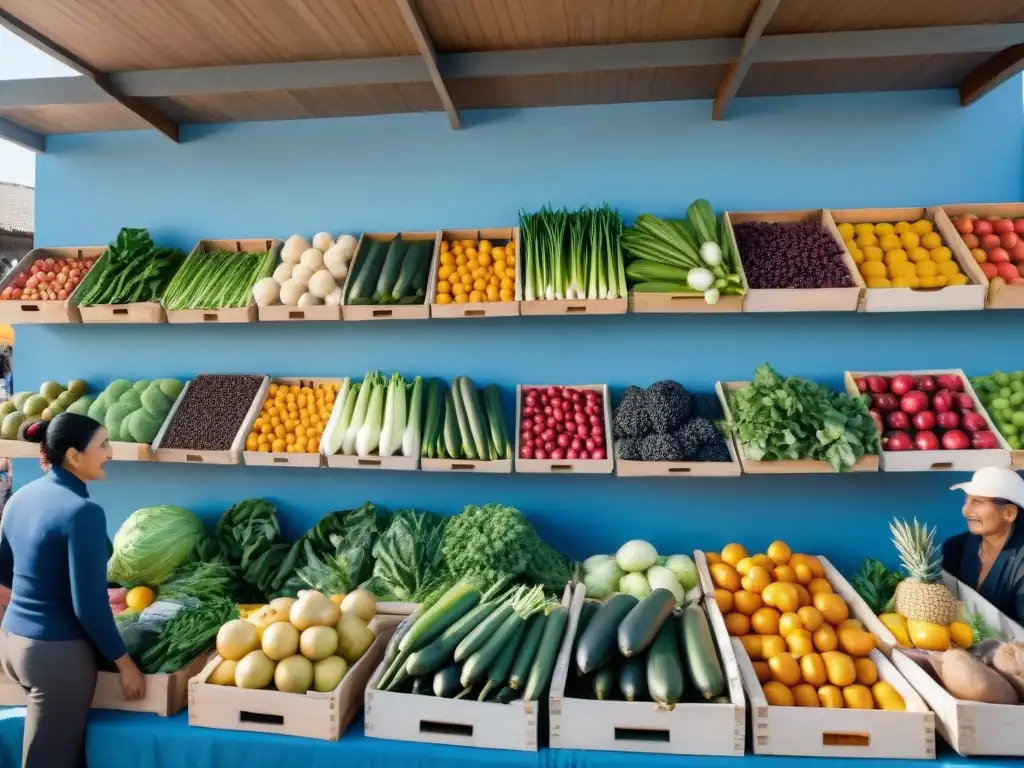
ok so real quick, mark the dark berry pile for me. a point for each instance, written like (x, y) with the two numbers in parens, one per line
(802, 255)
(665, 422)
(211, 412)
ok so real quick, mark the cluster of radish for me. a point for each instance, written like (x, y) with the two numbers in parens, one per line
(562, 423)
(997, 244)
(926, 413)
(48, 280)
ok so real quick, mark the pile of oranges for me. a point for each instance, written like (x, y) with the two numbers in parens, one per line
(473, 271)
(805, 648)
(293, 418)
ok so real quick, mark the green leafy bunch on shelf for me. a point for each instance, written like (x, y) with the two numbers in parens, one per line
(131, 270)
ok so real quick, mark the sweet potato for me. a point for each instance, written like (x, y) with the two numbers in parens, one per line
(967, 678)
(1008, 660)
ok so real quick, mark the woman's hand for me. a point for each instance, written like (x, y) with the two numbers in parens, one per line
(133, 683)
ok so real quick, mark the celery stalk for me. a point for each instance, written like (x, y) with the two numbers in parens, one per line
(368, 438)
(337, 425)
(411, 438)
(348, 445)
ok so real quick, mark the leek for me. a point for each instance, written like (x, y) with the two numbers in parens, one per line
(711, 296)
(338, 423)
(386, 443)
(411, 438)
(401, 412)
(368, 437)
(348, 445)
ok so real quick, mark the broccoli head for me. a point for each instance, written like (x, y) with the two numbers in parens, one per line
(631, 419)
(668, 405)
(661, 448)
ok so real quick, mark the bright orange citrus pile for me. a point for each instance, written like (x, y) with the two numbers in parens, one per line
(293, 418)
(472, 271)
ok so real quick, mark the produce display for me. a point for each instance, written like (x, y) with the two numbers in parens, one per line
(24, 408)
(293, 418)
(561, 423)
(472, 271)
(902, 255)
(926, 413)
(48, 280)
(1002, 394)
(295, 645)
(211, 412)
(379, 417)
(996, 245)
(775, 419)
(133, 412)
(666, 422)
(572, 254)
(132, 269)
(635, 570)
(693, 255)
(487, 646)
(308, 275)
(217, 279)
(791, 255)
(464, 423)
(390, 272)
(805, 648)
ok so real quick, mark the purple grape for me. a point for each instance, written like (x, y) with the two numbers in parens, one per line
(801, 255)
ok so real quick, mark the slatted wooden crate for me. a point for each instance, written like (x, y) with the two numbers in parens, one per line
(61, 312)
(499, 235)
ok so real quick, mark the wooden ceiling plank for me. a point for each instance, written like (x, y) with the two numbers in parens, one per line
(730, 84)
(426, 46)
(21, 136)
(993, 73)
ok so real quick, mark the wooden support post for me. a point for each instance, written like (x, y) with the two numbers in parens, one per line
(733, 78)
(993, 73)
(426, 46)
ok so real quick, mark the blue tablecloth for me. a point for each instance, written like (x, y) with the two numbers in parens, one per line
(123, 740)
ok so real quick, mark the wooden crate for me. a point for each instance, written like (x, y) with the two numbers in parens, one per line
(246, 314)
(786, 467)
(568, 466)
(951, 297)
(468, 466)
(137, 313)
(731, 468)
(166, 695)
(122, 451)
(501, 235)
(314, 715)
(999, 297)
(272, 459)
(373, 461)
(461, 722)
(278, 313)
(19, 449)
(623, 726)
(19, 312)
(799, 299)
(386, 311)
(929, 461)
(184, 456)
(574, 307)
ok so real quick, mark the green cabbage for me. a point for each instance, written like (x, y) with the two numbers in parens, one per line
(153, 542)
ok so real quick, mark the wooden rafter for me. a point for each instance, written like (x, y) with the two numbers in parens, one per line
(734, 75)
(418, 29)
(991, 74)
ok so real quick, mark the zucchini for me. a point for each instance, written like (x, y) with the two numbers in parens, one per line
(435, 414)
(485, 658)
(451, 440)
(527, 650)
(547, 653)
(664, 668)
(497, 676)
(496, 420)
(507, 695)
(633, 679)
(453, 605)
(587, 612)
(638, 630)
(446, 682)
(596, 646)
(606, 682)
(391, 651)
(474, 414)
(476, 639)
(436, 654)
(419, 281)
(389, 272)
(698, 647)
(403, 285)
(368, 269)
(468, 446)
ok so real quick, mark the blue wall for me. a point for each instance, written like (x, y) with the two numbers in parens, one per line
(413, 172)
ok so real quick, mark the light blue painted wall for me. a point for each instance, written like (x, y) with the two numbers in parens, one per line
(409, 172)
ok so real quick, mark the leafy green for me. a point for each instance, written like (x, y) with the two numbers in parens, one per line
(200, 580)
(980, 630)
(409, 557)
(151, 543)
(131, 269)
(776, 418)
(188, 633)
(876, 584)
(248, 537)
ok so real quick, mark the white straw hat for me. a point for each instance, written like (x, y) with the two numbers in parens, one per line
(995, 483)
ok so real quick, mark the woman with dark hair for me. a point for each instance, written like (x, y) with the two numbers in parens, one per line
(53, 555)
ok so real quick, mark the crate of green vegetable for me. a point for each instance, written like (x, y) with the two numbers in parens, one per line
(1002, 395)
(676, 691)
(464, 429)
(388, 277)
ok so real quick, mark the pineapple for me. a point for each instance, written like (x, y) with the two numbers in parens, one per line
(921, 596)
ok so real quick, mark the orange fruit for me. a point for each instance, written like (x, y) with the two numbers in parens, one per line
(850, 624)
(788, 623)
(764, 561)
(763, 671)
(779, 552)
(867, 672)
(812, 667)
(811, 618)
(738, 624)
(756, 579)
(825, 639)
(858, 697)
(724, 599)
(803, 574)
(712, 558)
(830, 697)
(778, 695)
(772, 645)
(765, 621)
(753, 646)
(785, 669)
(782, 595)
(839, 668)
(800, 643)
(745, 565)
(733, 553)
(856, 642)
(819, 585)
(725, 576)
(784, 573)
(746, 603)
(805, 695)
(832, 607)
(803, 596)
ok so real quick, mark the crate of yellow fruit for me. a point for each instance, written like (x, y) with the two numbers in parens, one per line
(287, 430)
(905, 258)
(817, 685)
(475, 273)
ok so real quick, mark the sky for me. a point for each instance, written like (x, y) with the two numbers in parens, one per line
(19, 61)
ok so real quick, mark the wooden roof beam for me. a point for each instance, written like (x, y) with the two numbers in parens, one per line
(418, 29)
(144, 111)
(21, 136)
(734, 75)
(991, 74)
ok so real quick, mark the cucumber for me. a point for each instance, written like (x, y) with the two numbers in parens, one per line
(476, 639)
(507, 695)
(474, 414)
(638, 630)
(496, 420)
(439, 652)
(419, 281)
(633, 679)
(453, 605)
(435, 414)
(587, 613)
(497, 676)
(596, 646)
(699, 650)
(403, 284)
(484, 659)
(368, 269)
(446, 682)
(664, 668)
(391, 651)
(520, 668)
(467, 445)
(452, 440)
(606, 682)
(389, 271)
(547, 653)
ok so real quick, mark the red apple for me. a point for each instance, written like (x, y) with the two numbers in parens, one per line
(991, 270)
(971, 241)
(982, 227)
(1018, 226)
(926, 441)
(878, 384)
(876, 417)
(862, 384)
(1000, 225)
(955, 440)
(1017, 252)
(885, 402)
(948, 420)
(914, 401)
(924, 420)
(974, 422)
(964, 402)
(897, 420)
(990, 241)
(984, 440)
(950, 381)
(998, 256)
(927, 383)
(1008, 240)
(942, 401)
(1007, 271)
(900, 385)
(898, 441)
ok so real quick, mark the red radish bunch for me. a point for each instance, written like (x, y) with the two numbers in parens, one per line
(926, 413)
(562, 423)
(47, 280)
(997, 244)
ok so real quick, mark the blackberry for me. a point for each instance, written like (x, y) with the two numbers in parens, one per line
(668, 405)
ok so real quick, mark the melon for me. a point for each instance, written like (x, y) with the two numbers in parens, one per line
(51, 390)
(35, 405)
(256, 670)
(10, 425)
(236, 639)
(294, 675)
